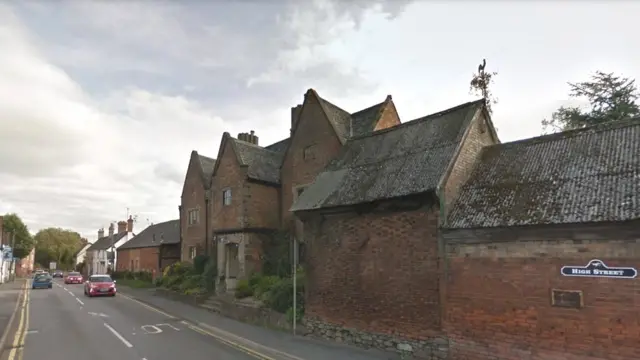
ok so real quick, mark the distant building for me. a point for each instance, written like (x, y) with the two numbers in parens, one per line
(101, 256)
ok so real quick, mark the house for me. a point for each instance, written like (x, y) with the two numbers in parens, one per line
(253, 187)
(101, 256)
(194, 207)
(82, 254)
(151, 250)
(434, 235)
(25, 266)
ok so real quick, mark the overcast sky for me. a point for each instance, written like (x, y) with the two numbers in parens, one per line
(102, 102)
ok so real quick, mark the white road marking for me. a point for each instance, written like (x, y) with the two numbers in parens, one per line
(117, 334)
(154, 329)
(98, 314)
(80, 301)
(169, 325)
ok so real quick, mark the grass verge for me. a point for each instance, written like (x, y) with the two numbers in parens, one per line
(134, 283)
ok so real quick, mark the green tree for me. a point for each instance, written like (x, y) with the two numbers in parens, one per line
(610, 97)
(23, 240)
(59, 245)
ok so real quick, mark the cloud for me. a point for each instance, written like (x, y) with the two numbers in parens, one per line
(102, 103)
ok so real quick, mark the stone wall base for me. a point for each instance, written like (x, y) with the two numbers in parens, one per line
(435, 348)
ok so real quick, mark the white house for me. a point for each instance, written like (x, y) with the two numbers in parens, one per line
(82, 254)
(102, 255)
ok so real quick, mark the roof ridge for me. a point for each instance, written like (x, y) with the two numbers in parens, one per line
(603, 127)
(419, 120)
(256, 146)
(368, 108)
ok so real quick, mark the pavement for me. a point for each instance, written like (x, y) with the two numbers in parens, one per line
(10, 293)
(275, 344)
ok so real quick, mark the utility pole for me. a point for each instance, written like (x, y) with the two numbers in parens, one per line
(295, 285)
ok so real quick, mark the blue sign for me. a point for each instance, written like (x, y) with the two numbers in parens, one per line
(7, 255)
(597, 268)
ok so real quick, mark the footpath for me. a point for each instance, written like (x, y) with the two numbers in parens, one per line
(9, 295)
(291, 347)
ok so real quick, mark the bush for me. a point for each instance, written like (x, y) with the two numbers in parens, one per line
(264, 285)
(280, 296)
(243, 289)
(199, 263)
(190, 282)
(178, 269)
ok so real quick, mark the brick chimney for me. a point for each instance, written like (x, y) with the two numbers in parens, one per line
(122, 226)
(248, 137)
(295, 115)
(130, 224)
(111, 229)
(100, 233)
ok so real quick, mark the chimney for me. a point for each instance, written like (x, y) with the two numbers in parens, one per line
(130, 224)
(242, 137)
(100, 233)
(253, 138)
(111, 229)
(122, 226)
(295, 115)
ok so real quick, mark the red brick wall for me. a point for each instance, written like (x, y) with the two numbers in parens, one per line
(262, 206)
(229, 175)
(144, 259)
(389, 117)
(312, 129)
(498, 296)
(375, 272)
(193, 196)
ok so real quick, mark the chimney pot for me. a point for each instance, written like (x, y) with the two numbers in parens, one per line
(130, 224)
(100, 233)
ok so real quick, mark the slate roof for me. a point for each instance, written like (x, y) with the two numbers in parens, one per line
(167, 232)
(207, 165)
(349, 125)
(263, 163)
(407, 159)
(579, 176)
(104, 242)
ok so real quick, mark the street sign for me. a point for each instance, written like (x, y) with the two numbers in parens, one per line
(7, 253)
(52, 265)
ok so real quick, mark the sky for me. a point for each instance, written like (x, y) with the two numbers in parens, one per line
(102, 102)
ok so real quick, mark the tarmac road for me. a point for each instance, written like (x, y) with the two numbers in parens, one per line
(62, 324)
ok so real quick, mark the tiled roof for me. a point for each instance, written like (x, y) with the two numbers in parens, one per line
(579, 176)
(167, 232)
(352, 125)
(207, 165)
(263, 164)
(105, 242)
(280, 146)
(407, 159)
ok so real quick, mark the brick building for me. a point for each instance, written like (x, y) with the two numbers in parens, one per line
(195, 206)
(101, 257)
(253, 187)
(153, 249)
(434, 234)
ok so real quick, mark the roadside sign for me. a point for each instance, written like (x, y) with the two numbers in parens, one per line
(7, 253)
(52, 265)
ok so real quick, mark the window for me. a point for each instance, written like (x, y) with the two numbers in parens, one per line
(192, 252)
(226, 197)
(137, 268)
(131, 268)
(308, 153)
(194, 216)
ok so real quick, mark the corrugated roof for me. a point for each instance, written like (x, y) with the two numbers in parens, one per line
(586, 175)
(167, 232)
(407, 159)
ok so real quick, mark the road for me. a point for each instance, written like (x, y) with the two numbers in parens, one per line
(62, 324)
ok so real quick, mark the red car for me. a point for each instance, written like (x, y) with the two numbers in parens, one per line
(100, 285)
(73, 278)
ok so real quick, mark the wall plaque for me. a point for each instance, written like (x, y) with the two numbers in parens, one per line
(567, 298)
(597, 268)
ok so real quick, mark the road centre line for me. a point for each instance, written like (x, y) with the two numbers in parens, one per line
(117, 334)
(80, 301)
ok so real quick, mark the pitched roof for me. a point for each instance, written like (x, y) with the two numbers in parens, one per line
(579, 176)
(349, 125)
(263, 163)
(167, 232)
(407, 159)
(105, 242)
(207, 164)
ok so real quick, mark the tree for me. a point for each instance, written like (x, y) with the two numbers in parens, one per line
(610, 97)
(23, 240)
(480, 85)
(59, 245)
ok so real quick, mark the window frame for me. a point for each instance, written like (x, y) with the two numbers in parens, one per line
(192, 252)
(193, 216)
(226, 192)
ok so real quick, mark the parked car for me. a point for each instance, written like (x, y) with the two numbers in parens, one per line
(100, 285)
(42, 281)
(73, 278)
(58, 274)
